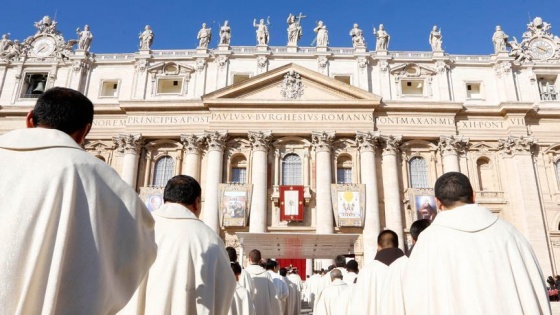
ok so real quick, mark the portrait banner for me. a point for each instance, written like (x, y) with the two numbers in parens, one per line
(423, 204)
(291, 203)
(348, 202)
(235, 201)
(152, 197)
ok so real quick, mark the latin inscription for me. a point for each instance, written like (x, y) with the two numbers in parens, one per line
(415, 121)
(292, 117)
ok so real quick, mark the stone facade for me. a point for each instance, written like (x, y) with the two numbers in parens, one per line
(393, 121)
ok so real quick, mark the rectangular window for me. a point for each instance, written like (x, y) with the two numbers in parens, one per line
(343, 78)
(547, 88)
(109, 88)
(240, 77)
(239, 175)
(474, 91)
(34, 85)
(343, 175)
(170, 86)
(412, 87)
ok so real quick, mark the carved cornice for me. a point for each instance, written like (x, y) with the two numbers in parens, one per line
(322, 141)
(452, 145)
(216, 140)
(260, 140)
(367, 141)
(129, 143)
(192, 144)
(517, 145)
(390, 144)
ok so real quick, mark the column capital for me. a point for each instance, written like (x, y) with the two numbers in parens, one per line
(323, 140)
(216, 140)
(367, 141)
(129, 143)
(452, 144)
(517, 145)
(192, 143)
(390, 144)
(260, 140)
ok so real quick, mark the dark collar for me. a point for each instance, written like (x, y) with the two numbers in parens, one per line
(389, 255)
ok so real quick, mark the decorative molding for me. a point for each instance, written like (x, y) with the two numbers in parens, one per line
(517, 145)
(200, 64)
(292, 86)
(367, 141)
(322, 141)
(216, 140)
(129, 143)
(222, 61)
(322, 61)
(262, 61)
(192, 144)
(452, 144)
(390, 143)
(260, 140)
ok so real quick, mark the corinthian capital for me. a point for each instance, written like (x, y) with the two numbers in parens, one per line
(517, 145)
(391, 144)
(367, 141)
(129, 143)
(192, 143)
(452, 144)
(322, 141)
(216, 140)
(260, 140)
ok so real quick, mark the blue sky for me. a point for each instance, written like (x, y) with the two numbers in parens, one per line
(467, 25)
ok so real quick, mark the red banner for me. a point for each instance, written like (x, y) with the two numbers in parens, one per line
(291, 203)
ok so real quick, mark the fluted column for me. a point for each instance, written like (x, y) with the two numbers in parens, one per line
(391, 188)
(450, 147)
(322, 142)
(192, 145)
(527, 212)
(260, 142)
(216, 144)
(130, 145)
(367, 143)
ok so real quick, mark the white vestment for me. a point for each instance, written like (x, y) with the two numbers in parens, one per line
(289, 308)
(242, 303)
(265, 300)
(325, 281)
(246, 281)
(328, 302)
(192, 272)
(74, 237)
(312, 287)
(296, 279)
(391, 301)
(468, 261)
(350, 277)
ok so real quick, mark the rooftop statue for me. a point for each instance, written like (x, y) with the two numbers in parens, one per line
(204, 36)
(436, 39)
(294, 29)
(500, 40)
(263, 37)
(146, 38)
(225, 34)
(84, 38)
(322, 34)
(46, 26)
(357, 36)
(382, 38)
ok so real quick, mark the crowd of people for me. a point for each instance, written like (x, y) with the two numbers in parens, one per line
(76, 239)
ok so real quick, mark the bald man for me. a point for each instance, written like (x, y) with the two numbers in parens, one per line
(329, 299)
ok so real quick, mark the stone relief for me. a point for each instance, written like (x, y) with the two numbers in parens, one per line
(222, 60)
(292, 86)
(262, 61)
(322, 61)
(538, 44)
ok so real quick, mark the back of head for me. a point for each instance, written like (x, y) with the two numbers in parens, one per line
(352, 265)
(417, 227)
(388, 239)
(331, 267)
(182, 189)
(63, 109)
(453, 188)
(340, 261)
(336, 274)
(236, 268)
(283, 271)
(232, 254)
(255, 256)
(271, 264)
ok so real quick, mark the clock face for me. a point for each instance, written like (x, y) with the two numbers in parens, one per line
(43, 46)
(541, 49)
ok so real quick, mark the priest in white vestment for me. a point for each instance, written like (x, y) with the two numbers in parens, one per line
(351, 272)
(340, 264)
(242, 303)
(265, 300)
(245, 279)
(370, 281)
(74, 237)
(192, 273)
(293, 294)
(280, 285)
(294, 278)
(328, 302)
(469, 261)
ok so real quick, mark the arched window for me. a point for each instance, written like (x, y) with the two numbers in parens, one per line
(344, 170)
(291, 170)
(163, 171)
(418, 173)
(558, 171)
(485, 175)
(239, 170)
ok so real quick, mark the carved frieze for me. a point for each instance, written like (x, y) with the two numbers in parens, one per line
(292, 86)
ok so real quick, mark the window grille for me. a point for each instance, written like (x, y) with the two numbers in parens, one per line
(291, 170)
(239, 175)
(163, 171)
(418, 173)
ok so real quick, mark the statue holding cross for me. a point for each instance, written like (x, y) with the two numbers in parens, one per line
(294, 29)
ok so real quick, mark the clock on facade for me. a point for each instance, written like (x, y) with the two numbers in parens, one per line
(43, 46)
(541, 49)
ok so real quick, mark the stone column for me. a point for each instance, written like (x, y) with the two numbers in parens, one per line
(259, 207)
(391, 187)
(367, 143)
(449, 148)
(322, 142)
(192, 145)
(130, 145)
(216, 145)
(523, 195)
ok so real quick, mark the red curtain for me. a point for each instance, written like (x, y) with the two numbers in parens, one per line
(297, 263)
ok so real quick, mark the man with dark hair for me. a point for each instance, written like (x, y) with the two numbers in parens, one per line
(242, 303)
(74, 237)
(281, 286)
(192, 272)
(370, 284)
(351, 272)
(328, 302)
(415, 229)
(244, 279)
(469, 261)
(266, 301)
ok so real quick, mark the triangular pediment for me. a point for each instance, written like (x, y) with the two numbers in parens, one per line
(291, 85)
